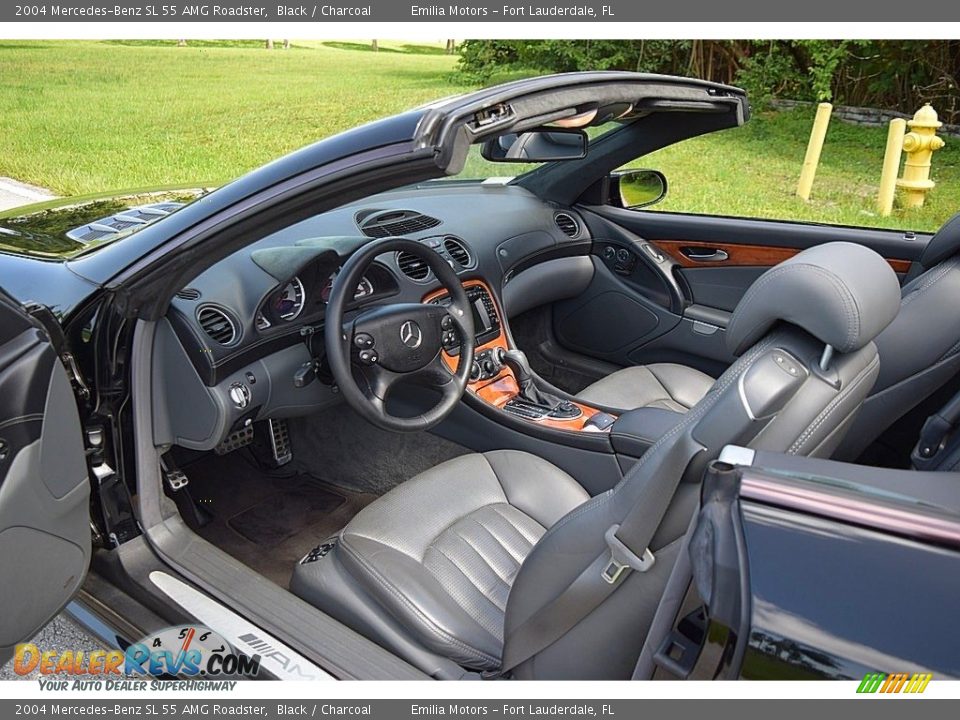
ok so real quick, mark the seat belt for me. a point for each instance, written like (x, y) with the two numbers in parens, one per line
(627, 551)
(928, 453)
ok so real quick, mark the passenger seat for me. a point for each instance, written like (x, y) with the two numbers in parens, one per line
(919, 353)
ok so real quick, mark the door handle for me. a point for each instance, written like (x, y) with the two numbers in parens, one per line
(699, 254)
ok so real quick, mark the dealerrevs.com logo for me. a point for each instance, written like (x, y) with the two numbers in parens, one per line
(189, 651)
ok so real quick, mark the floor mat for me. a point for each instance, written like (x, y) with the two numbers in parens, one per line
(268, 521)
(349, 452)
(289, 511)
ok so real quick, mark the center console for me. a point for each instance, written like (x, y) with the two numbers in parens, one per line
(501, 375)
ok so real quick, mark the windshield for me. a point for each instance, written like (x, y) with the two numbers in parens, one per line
(478, 168)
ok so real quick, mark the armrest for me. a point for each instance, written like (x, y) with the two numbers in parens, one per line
(635, 431)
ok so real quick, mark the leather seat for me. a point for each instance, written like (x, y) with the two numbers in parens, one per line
(500, 561)
(454, 538)
(920, 352)
(920, 349)
(661, 385)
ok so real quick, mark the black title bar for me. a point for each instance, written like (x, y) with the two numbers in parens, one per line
(603, 11)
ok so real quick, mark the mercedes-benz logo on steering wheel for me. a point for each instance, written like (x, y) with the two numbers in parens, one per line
(410, 334)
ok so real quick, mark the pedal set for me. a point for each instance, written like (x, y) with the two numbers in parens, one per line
(270, 440)
(235, 440)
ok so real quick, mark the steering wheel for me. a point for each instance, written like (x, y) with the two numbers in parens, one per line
(388, 344)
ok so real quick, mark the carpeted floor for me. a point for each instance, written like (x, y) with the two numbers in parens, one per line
(348, 452)
(268, 521)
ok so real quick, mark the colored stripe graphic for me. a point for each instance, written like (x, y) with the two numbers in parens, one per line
(894, 683)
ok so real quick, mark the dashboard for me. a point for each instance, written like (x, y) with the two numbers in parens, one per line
(248, 321)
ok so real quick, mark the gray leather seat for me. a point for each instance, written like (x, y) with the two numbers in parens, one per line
(466, 565)
(453, 539)
(920, 352)
(660, 385)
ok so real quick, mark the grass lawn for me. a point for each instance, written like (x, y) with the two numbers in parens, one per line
(84, 117)
(753, 170)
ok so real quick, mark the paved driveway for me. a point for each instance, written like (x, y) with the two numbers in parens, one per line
(13, 194)
(60, 635)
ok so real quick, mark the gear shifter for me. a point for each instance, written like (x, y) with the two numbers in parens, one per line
(530, 394)
(518, 363)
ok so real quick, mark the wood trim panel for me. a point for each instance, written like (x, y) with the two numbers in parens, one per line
(499, 390)
(742, 255)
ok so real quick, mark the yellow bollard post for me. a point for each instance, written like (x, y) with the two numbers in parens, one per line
(919, 144)
(812, 159)
(891, 166)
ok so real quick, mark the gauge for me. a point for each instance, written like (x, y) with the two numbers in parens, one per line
(288, 303)
(364, 288)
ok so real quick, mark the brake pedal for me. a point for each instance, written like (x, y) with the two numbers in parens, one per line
(280, 442)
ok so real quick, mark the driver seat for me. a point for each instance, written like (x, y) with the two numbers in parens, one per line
(500, 561)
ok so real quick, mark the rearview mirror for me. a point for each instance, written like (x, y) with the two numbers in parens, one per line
(634, 189)
(540, 145)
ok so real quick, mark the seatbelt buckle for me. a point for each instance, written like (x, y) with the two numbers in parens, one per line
(623, 558)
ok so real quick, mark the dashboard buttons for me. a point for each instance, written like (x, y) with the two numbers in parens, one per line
(610, 253)
(240, 395)
(488, 364)
(446, 323)
(363, 341)
(623, 255)
(369, 357)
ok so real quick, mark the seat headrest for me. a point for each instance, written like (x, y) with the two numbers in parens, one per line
(944, 244)
(841, 293)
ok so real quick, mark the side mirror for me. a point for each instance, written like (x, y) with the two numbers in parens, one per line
(634, 189)
(541, 145)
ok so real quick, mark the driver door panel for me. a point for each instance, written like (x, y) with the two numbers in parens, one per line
(44, 489)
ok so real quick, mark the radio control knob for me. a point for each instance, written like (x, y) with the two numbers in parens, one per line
(475, 371)
(498, 355)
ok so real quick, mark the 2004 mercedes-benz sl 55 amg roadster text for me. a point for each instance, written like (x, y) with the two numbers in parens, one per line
(356, 413)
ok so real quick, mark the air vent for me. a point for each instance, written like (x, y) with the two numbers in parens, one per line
(567, 223)
(457, 251)
(217, 324)
(412, 266)
(390, 223)
(135, 217)
(189, 294)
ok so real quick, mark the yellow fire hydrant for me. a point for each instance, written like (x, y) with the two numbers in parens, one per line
(919, 144)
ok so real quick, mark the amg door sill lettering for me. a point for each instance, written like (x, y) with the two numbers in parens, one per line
(279, 659)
